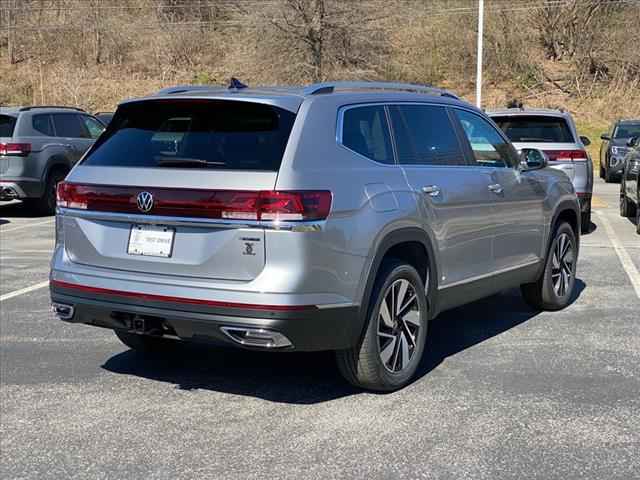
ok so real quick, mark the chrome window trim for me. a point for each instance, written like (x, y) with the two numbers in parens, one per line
(386, 105)
(310, 226)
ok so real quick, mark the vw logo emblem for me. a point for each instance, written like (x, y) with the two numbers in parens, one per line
(145, 202)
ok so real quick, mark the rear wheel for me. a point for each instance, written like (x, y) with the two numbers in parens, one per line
(552, 291)
(389, 353)
(145, 343)
(585, 222)
(46, 205)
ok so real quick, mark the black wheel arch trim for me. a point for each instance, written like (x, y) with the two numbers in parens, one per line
(393, 238)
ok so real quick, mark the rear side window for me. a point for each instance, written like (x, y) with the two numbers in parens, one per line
(211, 134)
(7, 124)
(365, 131)
(42, 124)
(425, 136)
(69, 125)
(535, 128)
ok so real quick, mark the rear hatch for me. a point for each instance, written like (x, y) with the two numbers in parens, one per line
(548, 133)
(170, 188)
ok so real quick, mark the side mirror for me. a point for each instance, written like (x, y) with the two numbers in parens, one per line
(532, 159)
(605, 136)
(585, 141)
(633, 141)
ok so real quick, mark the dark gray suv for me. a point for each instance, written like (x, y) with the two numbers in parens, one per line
(38, 147)
(339, 216)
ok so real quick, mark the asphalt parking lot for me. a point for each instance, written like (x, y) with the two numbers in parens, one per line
(504, 392)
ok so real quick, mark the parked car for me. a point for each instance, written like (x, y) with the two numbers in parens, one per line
(104, 117)
(630, 183)
(614, 148)
(339, 216)
(38, 147)
(554, 132)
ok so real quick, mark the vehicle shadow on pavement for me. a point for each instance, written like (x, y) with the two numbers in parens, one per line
(16, 210)
(308, 378)
(464, 327)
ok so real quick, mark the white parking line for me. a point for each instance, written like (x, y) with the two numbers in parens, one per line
(24, 290)
(623, 255)
(2, 230)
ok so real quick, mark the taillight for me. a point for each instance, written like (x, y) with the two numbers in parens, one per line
(18, 149)
(223, 204)
(567, 155)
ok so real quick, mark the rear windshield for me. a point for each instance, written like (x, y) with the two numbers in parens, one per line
(531, 128)
(628, 130)
(232, 135)
(6, 125)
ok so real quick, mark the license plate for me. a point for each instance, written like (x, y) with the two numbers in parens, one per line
(151, 240)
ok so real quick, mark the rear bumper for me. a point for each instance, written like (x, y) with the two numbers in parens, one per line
(311, 328)
(11, 189)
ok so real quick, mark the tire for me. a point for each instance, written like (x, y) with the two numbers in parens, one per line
(387, 356)
(553, 289)
(609, 177)
(627, 207)
(145, 343)
(46, 205)
(585, 221)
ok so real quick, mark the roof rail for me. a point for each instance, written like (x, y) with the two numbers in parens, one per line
(330, 87)
(188, 88)
(24, 109)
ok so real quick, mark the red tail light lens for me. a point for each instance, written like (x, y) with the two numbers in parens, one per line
(18, 149)
(223, 204)
(566, 155)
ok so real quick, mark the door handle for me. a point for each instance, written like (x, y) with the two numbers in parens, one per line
(431, 190)
(495, 188)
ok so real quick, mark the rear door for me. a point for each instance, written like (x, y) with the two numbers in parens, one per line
(518, 198)
(181, 172)
(452, 195)
(72, 134)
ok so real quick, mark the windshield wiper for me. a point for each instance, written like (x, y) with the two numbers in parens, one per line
(185, 162)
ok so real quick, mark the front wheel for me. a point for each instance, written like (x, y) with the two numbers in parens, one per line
(389, 353)
(553, 289)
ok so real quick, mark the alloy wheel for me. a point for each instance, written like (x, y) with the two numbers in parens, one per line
(399, 324)
(562, 265)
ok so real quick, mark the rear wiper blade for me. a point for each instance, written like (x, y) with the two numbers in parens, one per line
(185, 161)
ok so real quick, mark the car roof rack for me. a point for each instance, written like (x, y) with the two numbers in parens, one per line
(78, 109)
(330, 87)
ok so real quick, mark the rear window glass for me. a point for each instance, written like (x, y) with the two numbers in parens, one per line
(365, 131)
(6, 125)
(629, 130)
(531, 128)
(207, 134)
(43, 125)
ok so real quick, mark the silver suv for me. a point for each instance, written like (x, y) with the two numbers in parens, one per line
(339, 216)
(38, 147)
(555, 133)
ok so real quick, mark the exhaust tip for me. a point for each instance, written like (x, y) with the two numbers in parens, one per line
(62, 310)
(256, 337)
